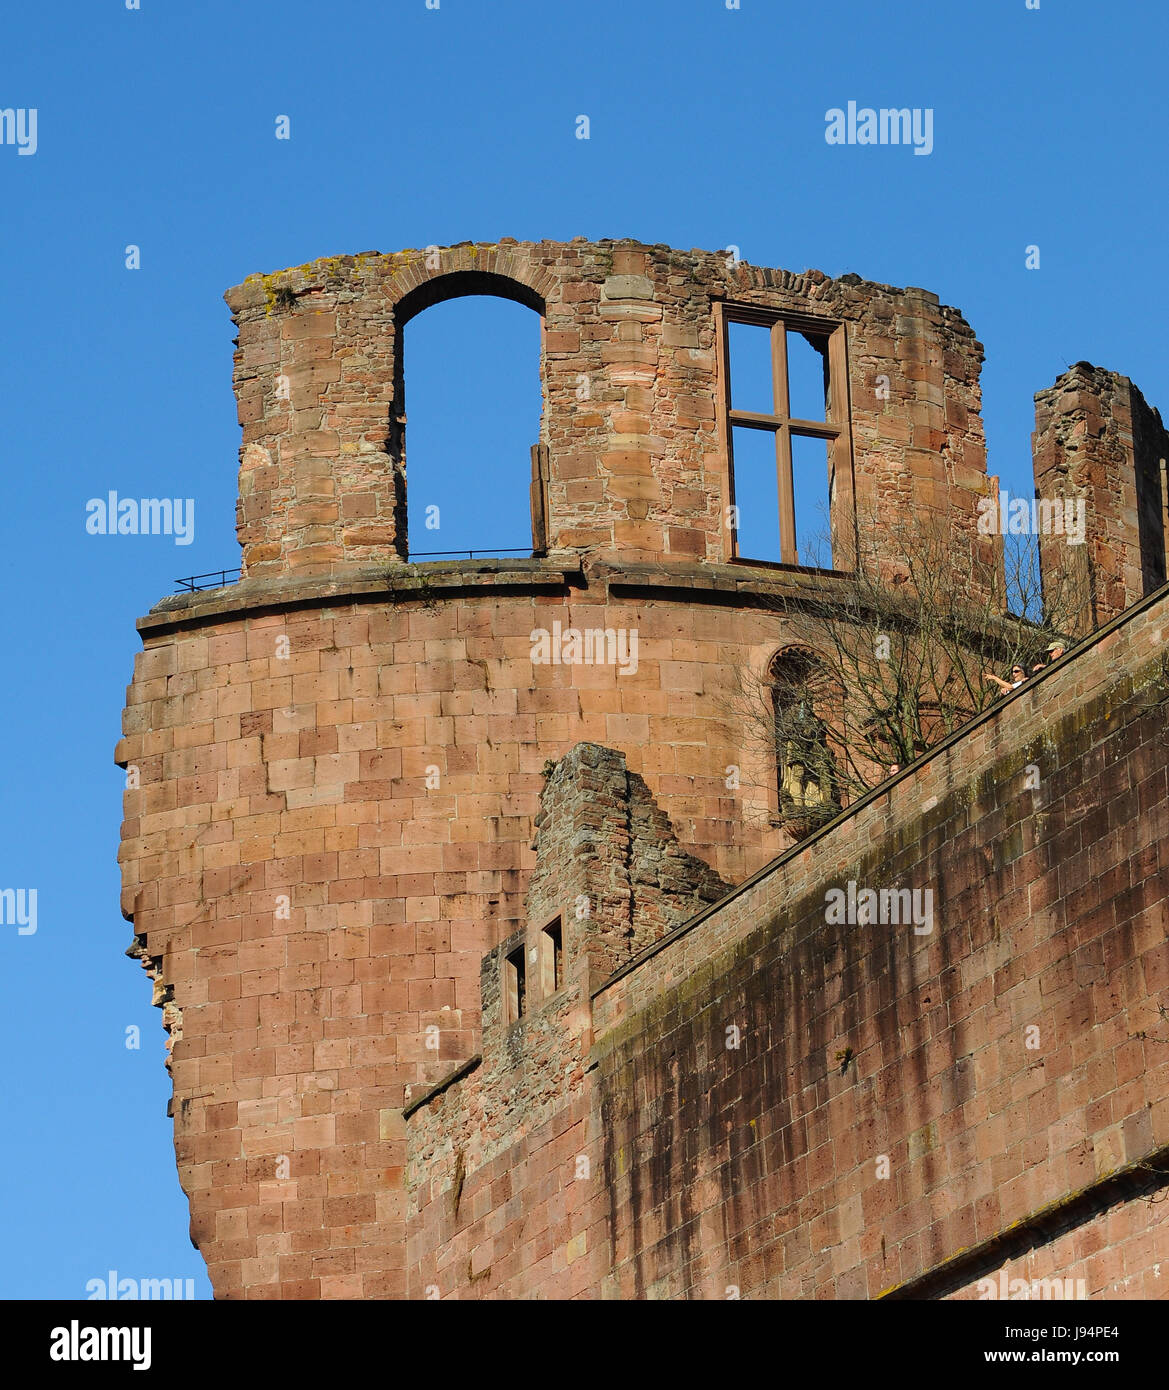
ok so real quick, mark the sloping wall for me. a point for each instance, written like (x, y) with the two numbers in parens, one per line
(771, 1104)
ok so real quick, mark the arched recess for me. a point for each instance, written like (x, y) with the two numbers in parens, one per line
(438, 290)
(803, 700)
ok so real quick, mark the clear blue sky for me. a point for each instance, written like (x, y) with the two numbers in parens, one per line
(410, 127)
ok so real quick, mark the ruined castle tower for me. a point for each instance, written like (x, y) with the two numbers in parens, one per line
(328, 854)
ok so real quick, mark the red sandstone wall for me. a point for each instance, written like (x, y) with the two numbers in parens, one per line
(639, 467)
(755, 1169)
(1119, 1254)
(304, 778)
(309, 907)
(1097, 440)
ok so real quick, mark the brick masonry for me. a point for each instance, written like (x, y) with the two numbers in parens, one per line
(600, 831)
(298, 785)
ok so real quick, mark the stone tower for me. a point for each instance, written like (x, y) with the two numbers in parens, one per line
(340, 758)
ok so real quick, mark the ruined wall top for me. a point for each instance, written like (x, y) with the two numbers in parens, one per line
(1098, 441)
(634, 434)
(604, 844)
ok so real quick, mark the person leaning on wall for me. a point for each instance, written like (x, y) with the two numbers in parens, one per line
(1018, 676)
(1053, 652)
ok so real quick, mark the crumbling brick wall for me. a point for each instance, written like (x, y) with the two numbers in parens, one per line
(601, 842)
(608, 861)
(314, 905)
(1098, 440)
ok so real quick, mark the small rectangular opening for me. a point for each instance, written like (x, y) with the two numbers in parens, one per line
(515, 985)
(552, 957)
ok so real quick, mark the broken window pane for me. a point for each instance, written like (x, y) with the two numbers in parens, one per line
(810, 485)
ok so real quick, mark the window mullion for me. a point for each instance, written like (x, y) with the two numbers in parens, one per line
(783, 445)
(779, 393)
(787, 496)
(834, 429)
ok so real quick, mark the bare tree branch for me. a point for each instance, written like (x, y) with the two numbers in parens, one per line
(882, 664)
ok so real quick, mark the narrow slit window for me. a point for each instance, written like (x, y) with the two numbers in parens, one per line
(515, 985)
(787, 431)
(552, 957)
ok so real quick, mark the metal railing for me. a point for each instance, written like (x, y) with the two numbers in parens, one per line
(468, 554)
(219, 579)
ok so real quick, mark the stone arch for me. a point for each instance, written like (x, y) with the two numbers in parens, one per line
(458, 284)
(794, 657)
(806, 781)
(440, 288)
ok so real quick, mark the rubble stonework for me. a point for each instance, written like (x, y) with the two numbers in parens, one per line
(357, 794)
(608, 861)
(1096, 438)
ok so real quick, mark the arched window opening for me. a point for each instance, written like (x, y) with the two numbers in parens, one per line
(806, 774)
(470, 375)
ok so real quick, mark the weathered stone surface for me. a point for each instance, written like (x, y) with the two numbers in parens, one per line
(316, 372)
(627, 287)
(767, 1103)
(1097, 441)
(608, 860)
(341, 826)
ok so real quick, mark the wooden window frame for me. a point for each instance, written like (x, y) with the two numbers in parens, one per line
(515, 984)
(539, 500)
(551, 940)
(835, 427)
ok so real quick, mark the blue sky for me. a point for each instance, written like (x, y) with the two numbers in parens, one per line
(411, 126)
